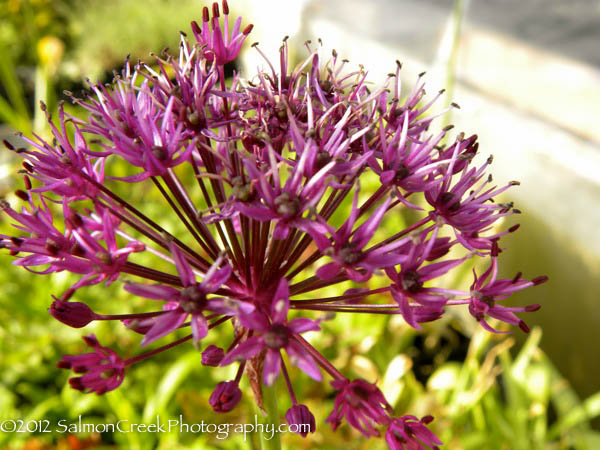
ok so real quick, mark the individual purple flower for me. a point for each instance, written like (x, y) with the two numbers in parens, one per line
(44, 242)
(410, 433)
(219, 45)
(103, 370)
(98, 256)
(139, 131)
(191, 300)
(276, 334)
(409, 280)
(63, 169)
(487, 291)
(225, 397)
(286, 204)
(467, 208)
(300, 420)
(347, 249)
(362, 405)
(407, 163)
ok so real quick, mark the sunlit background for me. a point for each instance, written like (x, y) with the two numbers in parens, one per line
(527, 78)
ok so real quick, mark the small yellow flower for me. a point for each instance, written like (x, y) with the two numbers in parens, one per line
(50, 50)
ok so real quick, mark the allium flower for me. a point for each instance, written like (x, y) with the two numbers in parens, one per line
(276, 334)
(362, 404)
(410, 433)
(258, 174)
(102, 370)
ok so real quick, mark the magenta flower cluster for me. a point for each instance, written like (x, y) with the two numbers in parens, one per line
(265, 177)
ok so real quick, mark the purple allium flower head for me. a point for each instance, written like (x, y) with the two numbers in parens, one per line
(103, 370)
(300, 417)
(238, 204)
(410, 433)
(225, 397)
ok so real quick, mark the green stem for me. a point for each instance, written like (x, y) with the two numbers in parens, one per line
(269, 437)
(448, 55)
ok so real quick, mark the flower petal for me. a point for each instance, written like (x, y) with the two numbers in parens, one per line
(301, 359)
(216, 280)
(245, 350)
(328, 271)
(271, 366)
(280, 303)
(183, 268)
(155, 291)
(164, 325)
(301, 325)
(199, 326)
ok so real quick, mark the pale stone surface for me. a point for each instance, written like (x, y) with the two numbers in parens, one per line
(534, 110)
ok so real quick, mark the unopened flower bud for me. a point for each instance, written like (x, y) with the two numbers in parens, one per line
(302, 418)
(74, 314)
(212, 356)
(225, 397)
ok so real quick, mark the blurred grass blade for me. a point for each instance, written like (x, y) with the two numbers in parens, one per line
(523, 360)
(169, 384)
(11, 117)
(42, 94)
(588, 410)
(11, 84)
(125, 411)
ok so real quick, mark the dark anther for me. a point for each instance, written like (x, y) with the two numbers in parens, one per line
(447, 198)
(322, 159)
(326, 85)
(348, 255)
(488, 300)
(160, 153)
(76, 220)
(242, 191)
(401, 173)
(276, 337)
(52, 247)
(22, 195)
(77, 250)
(411, 282)
(287, 205)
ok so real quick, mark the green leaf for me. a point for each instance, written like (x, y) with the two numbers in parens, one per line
(11, 84)
(172, 379)
(588, 410)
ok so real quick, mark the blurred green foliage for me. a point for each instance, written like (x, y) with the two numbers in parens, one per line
(482, 395)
